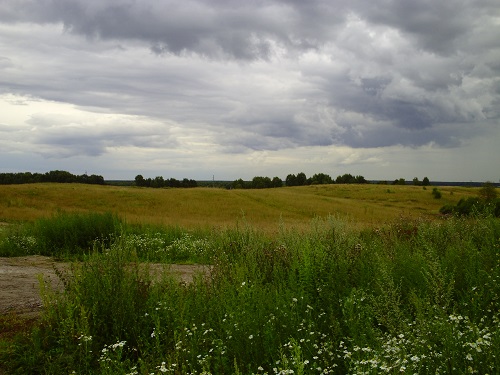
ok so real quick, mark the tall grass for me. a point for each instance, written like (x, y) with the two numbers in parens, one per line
(416, 297)
(62, 235)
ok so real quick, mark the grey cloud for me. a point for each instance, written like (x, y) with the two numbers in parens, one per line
(401, 68)
(214, 29)
(438, 26)
(58, 136)
(246, 30)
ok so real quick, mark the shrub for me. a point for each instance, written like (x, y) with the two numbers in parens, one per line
(436, 193)
(473, 206)
(488, 192)
(72, 234)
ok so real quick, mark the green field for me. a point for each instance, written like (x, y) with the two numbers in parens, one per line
(364, 205)
(358, 279)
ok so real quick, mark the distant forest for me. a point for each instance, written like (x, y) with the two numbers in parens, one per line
(258, 182)
(160, 182)
(52, 176)
(300, 179)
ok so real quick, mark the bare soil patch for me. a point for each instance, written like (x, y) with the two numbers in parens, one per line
(20, 281)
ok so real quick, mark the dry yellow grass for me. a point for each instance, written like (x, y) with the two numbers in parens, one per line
(365, 205)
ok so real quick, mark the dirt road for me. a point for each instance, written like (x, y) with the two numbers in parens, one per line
(20, 281)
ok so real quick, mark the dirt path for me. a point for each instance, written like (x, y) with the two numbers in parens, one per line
(20, 286)
(19, 283)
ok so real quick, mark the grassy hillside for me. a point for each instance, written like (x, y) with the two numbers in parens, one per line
(366, 205)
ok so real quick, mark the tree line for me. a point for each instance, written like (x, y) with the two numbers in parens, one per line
(300, 179)
(416, 181)
(52, 176)
(160, 182)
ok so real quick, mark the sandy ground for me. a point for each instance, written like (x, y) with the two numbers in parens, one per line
(20, 285)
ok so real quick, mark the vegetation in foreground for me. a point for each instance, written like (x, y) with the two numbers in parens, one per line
(416, 297)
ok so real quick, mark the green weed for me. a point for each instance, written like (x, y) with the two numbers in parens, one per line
(417, 297)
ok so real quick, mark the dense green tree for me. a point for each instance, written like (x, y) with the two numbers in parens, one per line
(277, 182)
(291, 180)
(360, 180)
(346, 178)
(400, 181)
(301, 179)
(259, 182)
(158, 182)
(238, 184)
(59, 176)
(319, 179)
(173, 183)
(52, 176)
(139, 180)
(426, 182)
(186, 183)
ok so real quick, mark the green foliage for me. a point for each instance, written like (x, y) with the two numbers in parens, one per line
(169, 246)
(488, 192)
(436, 193)
(416, 297)
(52, 176)
(300, 179)
(400, 181)
(473, 206)
(261, 182)
(17, 241)
(350, 179)
(319, 179)
(160, 182)
(64, 234)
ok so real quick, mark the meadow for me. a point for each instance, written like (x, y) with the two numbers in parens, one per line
(308, 280)
(365, 205)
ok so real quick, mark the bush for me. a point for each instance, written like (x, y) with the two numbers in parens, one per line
(17, 241)
(488, 192)
(473, 206)
(436, 193)
(72, 234)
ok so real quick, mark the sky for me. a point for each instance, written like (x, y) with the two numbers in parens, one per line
(223, 89)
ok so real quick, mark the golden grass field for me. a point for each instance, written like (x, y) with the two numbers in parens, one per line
(364, 205)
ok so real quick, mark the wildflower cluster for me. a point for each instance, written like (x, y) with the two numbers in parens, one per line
(20, 244)
(187, 247)
(156, 247)
(419, 350)
(112, 359)
(145, 243)
(195, 350)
